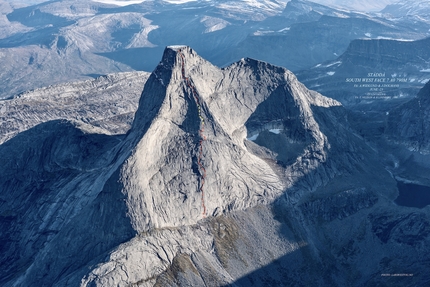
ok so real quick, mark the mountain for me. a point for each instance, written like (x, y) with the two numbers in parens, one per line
(406, 138)
(108, 103)
(237, 176)
(63, 40)
(419, 9)
(358, 5)
(306, 33)
(408, 124)
(373, 74)
(78, 39)
(61, 45)
(8, 28)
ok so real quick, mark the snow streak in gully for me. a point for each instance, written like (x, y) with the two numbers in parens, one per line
(201, 131)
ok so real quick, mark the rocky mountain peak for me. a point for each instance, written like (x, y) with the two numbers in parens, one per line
(206, 142)
(195, 119)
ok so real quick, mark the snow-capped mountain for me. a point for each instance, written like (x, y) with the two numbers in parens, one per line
(237, 176)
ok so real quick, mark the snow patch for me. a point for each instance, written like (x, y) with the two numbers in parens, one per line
(368, 35)
(335, 63)
(275, 131)
(395, 39)
(253, 138)
(176, 47)
(341, 15)
(425, 71)
(119, 2)
(331, 73)
(131, 2)
(260, 33)
(285, 29)
(179, 1)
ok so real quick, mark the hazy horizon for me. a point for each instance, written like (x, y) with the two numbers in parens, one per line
(359, 5)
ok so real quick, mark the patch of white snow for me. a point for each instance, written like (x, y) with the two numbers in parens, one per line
(275, 131)
(253, 138)
(335, 63)
(119, 2)
(285, 29)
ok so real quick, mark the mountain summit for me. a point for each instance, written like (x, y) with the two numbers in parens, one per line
(195, 117)
(236, 176)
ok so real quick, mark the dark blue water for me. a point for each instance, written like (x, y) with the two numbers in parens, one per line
(413, 195)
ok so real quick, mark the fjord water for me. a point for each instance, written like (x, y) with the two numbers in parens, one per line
(413, 195)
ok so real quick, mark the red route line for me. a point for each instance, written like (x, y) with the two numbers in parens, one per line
(201, 130)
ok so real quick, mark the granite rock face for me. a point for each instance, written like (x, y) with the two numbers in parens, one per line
(228, 177)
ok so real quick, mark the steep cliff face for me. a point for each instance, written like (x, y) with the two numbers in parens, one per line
(387, 53)
(377, 73)
(235, 176)
(197, 116)
(409, 124)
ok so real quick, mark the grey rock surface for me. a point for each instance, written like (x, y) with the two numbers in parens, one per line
(238, 176)
(108, 103)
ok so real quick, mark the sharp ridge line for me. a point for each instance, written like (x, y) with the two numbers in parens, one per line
(201, 130)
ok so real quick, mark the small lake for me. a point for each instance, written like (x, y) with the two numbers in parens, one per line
(412, 195)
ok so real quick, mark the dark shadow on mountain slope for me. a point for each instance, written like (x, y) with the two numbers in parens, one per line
(281, 272)
(125, 34)
(43, 37)
(279, 126)
(52, 210)
(349, 188)
(413, 195)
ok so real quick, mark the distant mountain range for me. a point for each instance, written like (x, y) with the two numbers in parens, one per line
(358, 5)
(419, 9)
(59, 41)
(107, 102)
(373, 72)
